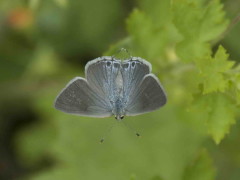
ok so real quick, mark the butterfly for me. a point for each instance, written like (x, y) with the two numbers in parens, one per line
(113, 87)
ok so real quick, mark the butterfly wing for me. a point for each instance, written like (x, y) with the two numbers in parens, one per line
(133, 72)
(103, 77)
(142, 91)
(94, 95)
(149, 97)
(78, 98)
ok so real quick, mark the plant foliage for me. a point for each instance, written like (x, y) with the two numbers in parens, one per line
(180, 38)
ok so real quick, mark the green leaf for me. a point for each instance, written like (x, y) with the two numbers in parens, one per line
(213, 21)
(197, 49)
(212, 71)
(199, 22)
(219, 112)
(150, 38)
(146, 38)
(201, 169)
(234, 78)
(159, 11)
(124, 43)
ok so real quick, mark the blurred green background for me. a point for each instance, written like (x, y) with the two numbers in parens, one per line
(44, 44)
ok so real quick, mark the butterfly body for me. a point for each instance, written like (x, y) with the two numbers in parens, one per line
(113, 87)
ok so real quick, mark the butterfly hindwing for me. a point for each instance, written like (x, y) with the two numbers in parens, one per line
(148, 97)
(78, 98)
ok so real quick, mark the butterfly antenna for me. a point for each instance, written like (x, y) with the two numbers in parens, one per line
(132, 129)
(107, 132)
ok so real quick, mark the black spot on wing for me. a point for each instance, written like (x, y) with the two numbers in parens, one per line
(108, 63)
(133, 64)
(126, 65)
(116, 65)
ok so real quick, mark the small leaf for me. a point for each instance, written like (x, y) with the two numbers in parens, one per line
(149, 37)
(219, 112)
(212, 71)
(199, 22)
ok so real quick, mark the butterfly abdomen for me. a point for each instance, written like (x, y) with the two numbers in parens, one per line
(118, 109)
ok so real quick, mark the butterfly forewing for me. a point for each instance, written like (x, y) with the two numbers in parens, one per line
(78, 98)
(102, 76)
(133, 72)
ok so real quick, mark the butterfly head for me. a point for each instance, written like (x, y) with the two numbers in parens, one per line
(119, 117)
